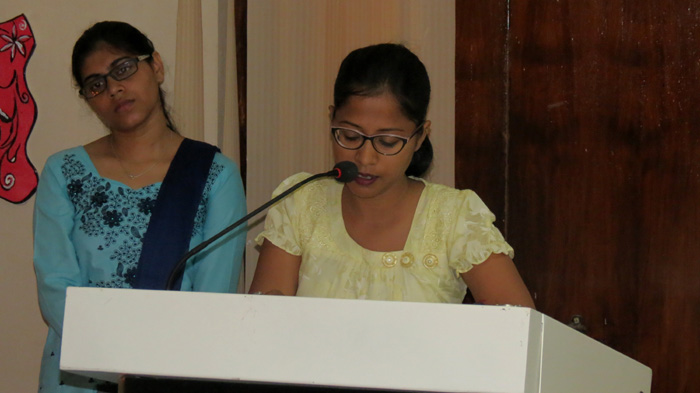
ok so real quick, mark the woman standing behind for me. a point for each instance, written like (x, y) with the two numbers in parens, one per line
(120, 211)
(389, 234)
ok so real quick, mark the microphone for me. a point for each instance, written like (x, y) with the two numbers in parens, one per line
(343, 172)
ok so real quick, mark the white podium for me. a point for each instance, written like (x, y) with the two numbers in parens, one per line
(362, 344)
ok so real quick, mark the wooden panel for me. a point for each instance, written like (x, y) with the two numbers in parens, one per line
(480, 108)
(241, 17)
(603, 176)
(601, 171)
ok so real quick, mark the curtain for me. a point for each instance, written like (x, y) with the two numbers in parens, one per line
(205, 104)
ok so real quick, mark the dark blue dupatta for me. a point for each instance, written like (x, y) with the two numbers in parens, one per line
(172, 219)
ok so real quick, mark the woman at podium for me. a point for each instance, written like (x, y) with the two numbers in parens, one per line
(389, 234)
(120, 211)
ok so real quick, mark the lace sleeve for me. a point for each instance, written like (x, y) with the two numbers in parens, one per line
(474, 237)
(281, 221)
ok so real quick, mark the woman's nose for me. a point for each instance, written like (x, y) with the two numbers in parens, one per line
(113, 86)
(366, 153)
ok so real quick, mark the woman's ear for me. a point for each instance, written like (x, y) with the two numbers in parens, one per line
(157, 66)
(423, 135)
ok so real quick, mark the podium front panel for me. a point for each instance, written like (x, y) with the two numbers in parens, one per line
(307, 341)
(357, 344)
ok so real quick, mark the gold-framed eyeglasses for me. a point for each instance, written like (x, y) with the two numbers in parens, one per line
(385, 144)
(125, 68)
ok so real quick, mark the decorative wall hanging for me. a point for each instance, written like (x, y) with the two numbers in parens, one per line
(18, 177)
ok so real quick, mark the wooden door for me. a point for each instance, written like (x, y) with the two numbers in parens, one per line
(578, 122)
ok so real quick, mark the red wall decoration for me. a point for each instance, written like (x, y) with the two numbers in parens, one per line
(18, 177)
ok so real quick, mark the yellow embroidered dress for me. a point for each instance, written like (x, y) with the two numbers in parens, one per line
(452, 231)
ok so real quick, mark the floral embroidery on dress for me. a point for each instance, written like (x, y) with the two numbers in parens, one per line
(146, 205)
(452, 230)
(118, 216)
(214, 172)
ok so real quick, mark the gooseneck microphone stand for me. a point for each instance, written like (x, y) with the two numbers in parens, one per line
(343, 171)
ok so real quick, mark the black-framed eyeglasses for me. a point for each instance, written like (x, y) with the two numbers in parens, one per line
(385, 144)
(125, 68)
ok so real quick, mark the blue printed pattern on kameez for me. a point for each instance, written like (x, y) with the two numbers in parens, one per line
(118, 216)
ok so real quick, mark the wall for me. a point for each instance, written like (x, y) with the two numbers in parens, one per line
(63, 121)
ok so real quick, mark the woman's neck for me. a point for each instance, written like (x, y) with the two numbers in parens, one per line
(383, 206)
(382, 223)
(137, 146)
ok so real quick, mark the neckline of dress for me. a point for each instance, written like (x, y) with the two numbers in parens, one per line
(407, 243)
(97, 173)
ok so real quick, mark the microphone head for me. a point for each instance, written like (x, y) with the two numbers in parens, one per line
(346, 171)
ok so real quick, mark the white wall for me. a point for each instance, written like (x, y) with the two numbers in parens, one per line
(63, 121)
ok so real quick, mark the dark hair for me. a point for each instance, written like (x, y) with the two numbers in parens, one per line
(118, 35)
(376, 69)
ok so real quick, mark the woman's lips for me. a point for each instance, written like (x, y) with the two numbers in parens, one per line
(123, 105)
(365, 179)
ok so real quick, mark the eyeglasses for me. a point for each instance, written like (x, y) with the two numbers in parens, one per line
(122, 70)
(385, 144)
